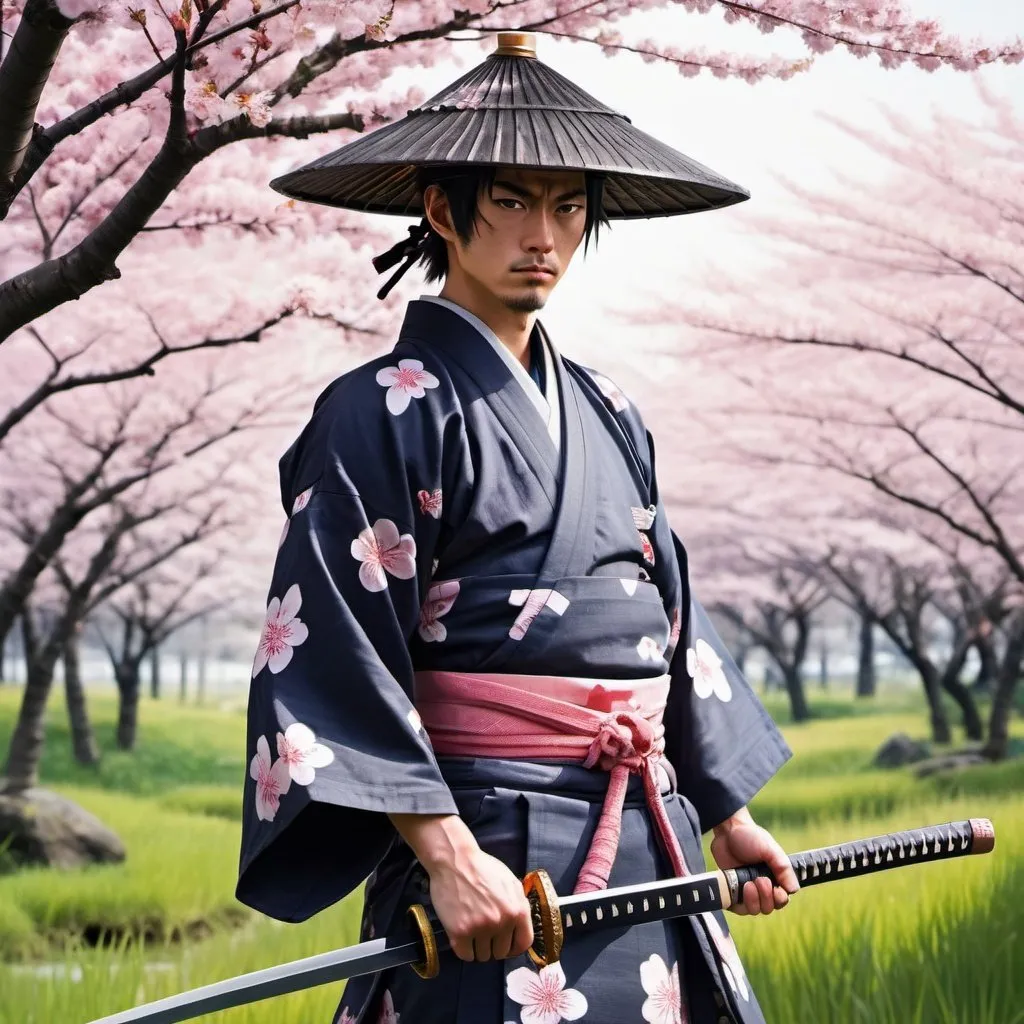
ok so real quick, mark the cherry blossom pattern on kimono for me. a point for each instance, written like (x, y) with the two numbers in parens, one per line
(732, 967)
(301, 500)
(664, 1002)
(345, 1017)
(388, 1014)
(440, 598)
(643, 520)
(648, 649)
(705, 666)
(272, 780)
(543, 995)
(430, 502)
(282, 631)
(381, 550)
(674, 632)
(406, 381)
(532, 602)
(611, 392)
(298, 748)
(299, 755)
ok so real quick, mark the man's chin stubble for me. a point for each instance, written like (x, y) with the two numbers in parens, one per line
(530, 302)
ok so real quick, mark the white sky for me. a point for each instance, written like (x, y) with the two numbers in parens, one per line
(748, 133)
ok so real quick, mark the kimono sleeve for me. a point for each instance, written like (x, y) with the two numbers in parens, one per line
(722, 742)
(334, 741)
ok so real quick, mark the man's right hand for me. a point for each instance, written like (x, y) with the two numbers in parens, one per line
(479, 902)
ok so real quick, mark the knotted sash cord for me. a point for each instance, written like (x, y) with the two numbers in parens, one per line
(469, 715)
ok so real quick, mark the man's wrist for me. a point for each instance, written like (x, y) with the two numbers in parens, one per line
(438, 840)
(740, 817)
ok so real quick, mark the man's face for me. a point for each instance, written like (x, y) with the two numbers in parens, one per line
(528, 228)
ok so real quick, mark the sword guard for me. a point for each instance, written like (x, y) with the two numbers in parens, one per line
(547, 918)
(430, 965)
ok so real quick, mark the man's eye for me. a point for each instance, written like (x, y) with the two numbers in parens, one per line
(570, 208)
(508, 204)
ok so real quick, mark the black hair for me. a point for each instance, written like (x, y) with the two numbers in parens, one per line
(463, 185)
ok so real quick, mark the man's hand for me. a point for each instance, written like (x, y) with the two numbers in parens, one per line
(478, 900)
(740, 841)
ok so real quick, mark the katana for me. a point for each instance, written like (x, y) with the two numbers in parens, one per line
(557, 918)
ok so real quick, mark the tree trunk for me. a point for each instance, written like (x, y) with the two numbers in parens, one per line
(1007, 680)
(950, 682)
(154, 672)
(183, 677)
(83, 740)
(823, 665)
(866, 676)
(933, 694)
(128, 685)
(969, 709)
(3, 659)
(26, 749)
(201, 676)
(795, 688)
(988, 666)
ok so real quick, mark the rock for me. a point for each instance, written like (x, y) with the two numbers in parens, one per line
(949, 762)
(899, 749)
(39, 827)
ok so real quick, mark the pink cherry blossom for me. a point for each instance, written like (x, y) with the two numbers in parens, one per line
(282, 632)
(272, 780)
(648, 648)
(732, 966)
(298, 749)
(345, 1017)
(643, 518)
(388, 1015)
(440, 598)
(430, 502)
(611, 391)
(543, 995)
(533, 602)
(704, 664)
(382, 550)
(254, 105)
(404, 382)
(647, 547)
(673, 636)
(203, 99)
(302, 500)
(664, 1002)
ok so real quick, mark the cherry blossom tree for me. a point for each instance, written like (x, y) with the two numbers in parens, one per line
(886, 359)
(202, 79)
(156, 607)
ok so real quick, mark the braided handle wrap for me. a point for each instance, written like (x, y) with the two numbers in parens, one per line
(847, 860)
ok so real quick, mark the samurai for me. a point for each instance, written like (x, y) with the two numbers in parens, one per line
(482, 653)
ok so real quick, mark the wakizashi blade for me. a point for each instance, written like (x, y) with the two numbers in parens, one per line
(556, 919)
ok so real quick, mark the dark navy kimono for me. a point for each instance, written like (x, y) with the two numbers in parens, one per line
(437, 522)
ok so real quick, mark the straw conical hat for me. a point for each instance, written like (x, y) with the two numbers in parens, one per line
(512, 110)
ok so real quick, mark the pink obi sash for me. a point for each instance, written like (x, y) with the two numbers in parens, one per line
(614, 726)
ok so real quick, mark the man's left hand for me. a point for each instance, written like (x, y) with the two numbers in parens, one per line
(739, 841)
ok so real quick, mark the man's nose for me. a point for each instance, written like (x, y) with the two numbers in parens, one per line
(540, 235)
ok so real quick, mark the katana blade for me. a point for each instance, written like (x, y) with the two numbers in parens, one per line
(583, 912)
(337, 965)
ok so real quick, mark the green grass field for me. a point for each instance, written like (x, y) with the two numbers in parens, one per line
(935, 945)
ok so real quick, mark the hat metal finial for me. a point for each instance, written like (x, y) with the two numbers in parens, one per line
(516, 44)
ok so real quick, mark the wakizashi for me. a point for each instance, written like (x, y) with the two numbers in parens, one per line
(481, 652)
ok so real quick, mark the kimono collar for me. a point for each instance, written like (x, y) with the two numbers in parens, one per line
(546, 403)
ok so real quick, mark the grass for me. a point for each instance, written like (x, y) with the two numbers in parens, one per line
(933, 945)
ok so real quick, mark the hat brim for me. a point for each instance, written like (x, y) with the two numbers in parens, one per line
(512, 112)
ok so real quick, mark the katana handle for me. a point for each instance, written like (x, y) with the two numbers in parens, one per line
(865, 856)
